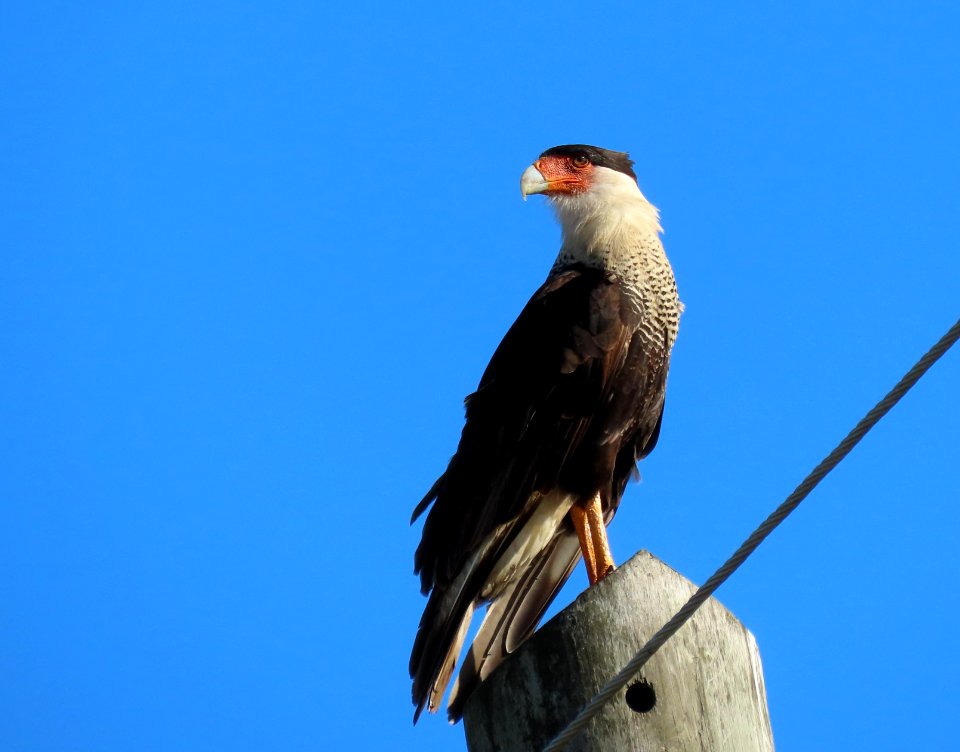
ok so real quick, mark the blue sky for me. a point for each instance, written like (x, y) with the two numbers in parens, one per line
(256, 254)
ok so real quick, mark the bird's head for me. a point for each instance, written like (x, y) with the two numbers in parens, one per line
(594, 192)
(574, 170)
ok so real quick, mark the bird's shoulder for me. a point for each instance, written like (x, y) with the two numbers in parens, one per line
(578, 317)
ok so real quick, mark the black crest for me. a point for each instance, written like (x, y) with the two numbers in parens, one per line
(614, 160)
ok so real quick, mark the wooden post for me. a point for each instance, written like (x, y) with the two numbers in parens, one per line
(707, 678)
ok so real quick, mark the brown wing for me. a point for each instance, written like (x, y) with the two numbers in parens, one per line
(570, 398)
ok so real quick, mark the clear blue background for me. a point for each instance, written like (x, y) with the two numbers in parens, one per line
(254, 255)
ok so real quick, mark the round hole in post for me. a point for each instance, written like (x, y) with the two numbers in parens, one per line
(641, 697)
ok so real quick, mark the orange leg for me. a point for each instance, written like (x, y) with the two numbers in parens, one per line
(581, 524)
(598, 531)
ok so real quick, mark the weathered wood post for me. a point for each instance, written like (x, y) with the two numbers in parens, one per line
(707, 679)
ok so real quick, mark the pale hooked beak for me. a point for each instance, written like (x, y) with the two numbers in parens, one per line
(531, 182)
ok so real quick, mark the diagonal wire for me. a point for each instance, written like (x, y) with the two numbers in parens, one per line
(617, 683)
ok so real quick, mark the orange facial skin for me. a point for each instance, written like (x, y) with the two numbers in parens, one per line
(565, 174)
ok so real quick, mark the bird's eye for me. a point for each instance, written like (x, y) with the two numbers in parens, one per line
(580, 161)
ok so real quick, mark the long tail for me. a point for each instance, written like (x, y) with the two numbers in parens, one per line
(521, 587)
(513, 616)
(429, 684)
(442, 630)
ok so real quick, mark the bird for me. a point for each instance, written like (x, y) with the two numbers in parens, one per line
(570, 401)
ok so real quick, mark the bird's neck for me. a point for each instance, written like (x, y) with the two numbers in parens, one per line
(612, 226)
(616, 229)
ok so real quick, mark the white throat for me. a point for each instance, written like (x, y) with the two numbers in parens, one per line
(610, 220)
